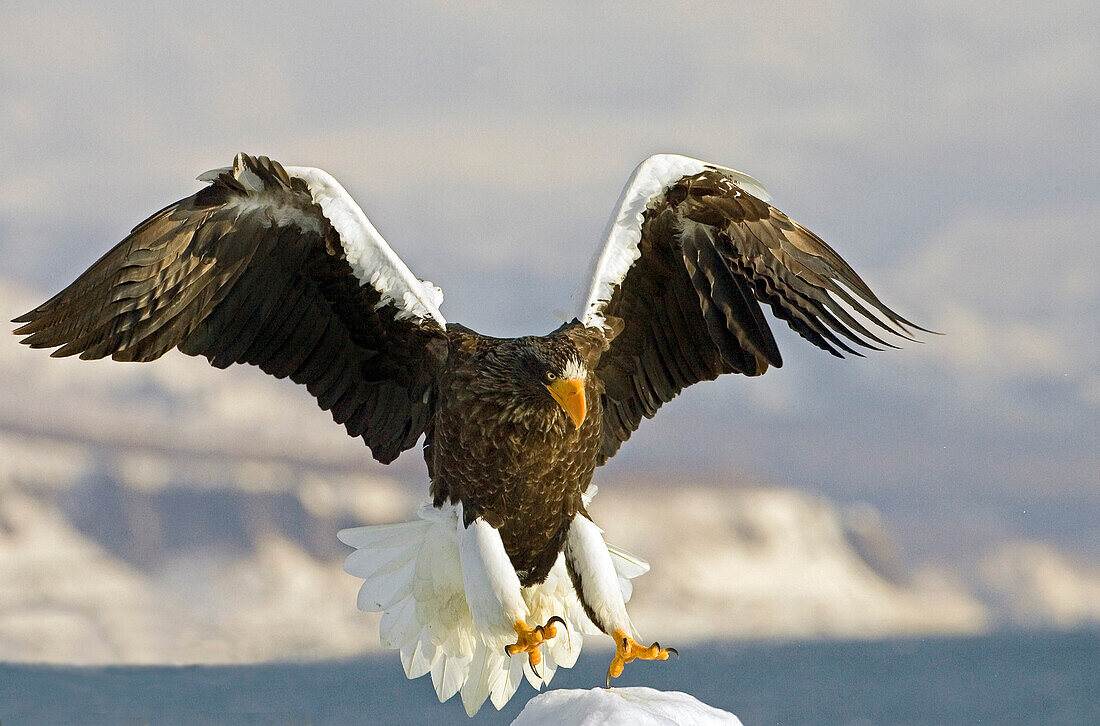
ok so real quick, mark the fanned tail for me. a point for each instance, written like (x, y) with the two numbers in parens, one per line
(412, 574)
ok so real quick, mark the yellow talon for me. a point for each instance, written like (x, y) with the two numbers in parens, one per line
(529, 639)
(626, 650)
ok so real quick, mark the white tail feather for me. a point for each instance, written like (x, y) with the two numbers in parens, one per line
(412, 573)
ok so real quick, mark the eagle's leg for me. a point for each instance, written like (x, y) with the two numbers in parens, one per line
(493, 591)
(597, 584)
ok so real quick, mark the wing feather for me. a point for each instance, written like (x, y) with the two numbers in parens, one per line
(692, 252)
(271, 266)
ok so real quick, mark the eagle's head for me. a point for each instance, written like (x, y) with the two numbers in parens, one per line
(543, 374)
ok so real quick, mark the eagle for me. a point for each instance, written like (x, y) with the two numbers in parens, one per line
(504, 570)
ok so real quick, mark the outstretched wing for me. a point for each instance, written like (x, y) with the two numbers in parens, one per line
(691, 253)
(273, 266)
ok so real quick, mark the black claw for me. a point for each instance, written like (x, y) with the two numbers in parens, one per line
(535, 669)
(673, 651)
(558, 619)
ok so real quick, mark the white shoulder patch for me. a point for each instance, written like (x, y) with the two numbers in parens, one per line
(648, 184)
(372, 259)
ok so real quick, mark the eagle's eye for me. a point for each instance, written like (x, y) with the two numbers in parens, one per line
(550, 376)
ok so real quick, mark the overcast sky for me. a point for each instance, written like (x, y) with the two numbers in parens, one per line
(950, 151)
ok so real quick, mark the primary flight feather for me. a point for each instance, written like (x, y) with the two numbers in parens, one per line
(279, 267)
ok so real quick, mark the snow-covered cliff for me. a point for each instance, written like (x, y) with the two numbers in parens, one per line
(174, 513)
(104, 571)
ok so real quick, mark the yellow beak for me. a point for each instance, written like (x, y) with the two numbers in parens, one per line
(570, 396)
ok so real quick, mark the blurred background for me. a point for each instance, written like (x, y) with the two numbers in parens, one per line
(173, 513)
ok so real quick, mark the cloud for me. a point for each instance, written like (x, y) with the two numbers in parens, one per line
(1018, 295)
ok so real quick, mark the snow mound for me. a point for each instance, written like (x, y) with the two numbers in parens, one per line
(635, 706)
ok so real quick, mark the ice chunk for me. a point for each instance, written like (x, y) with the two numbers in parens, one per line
(635, 706)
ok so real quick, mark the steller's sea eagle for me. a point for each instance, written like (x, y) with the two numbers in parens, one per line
(279, 267)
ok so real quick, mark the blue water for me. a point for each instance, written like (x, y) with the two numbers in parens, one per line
(1004, 679)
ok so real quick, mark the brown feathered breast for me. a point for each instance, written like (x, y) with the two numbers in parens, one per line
(500, 445)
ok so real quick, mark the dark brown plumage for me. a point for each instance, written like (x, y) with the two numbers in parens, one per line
(255, 268)
(212, 276)
(505, 448)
